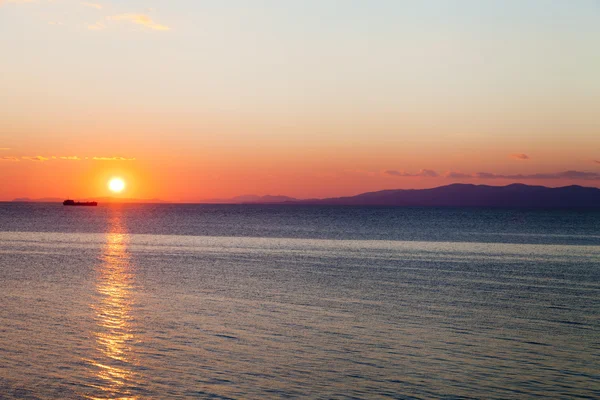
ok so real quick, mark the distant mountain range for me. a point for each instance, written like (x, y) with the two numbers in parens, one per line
(455, 195)
(465, 195)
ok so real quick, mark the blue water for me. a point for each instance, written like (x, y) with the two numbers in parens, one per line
(199, 301)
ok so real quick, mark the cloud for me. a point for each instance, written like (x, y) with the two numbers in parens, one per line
(561, 175)
(92, 5)
(66, 158)
(565, 175)
(112, 159)
(457, 175)
(556, 175)
(571, 175)
(140, 19)
(35, 158)
(426, 173)
(8, 148)
(16, 1)
(520, 156)
(98, 26)
(487, 175)
(597, 161)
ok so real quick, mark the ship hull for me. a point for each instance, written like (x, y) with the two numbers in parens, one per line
(72, 203)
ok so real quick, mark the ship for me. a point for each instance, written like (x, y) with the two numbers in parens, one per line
(80, 203)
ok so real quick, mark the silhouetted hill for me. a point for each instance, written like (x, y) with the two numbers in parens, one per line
(465, 195)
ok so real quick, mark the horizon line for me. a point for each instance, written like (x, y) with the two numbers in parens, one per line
(291, 199)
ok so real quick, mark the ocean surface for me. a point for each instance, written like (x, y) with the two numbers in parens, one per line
(255, 302)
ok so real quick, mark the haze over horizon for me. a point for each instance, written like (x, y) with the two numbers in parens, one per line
(514, 195)
(193, 100)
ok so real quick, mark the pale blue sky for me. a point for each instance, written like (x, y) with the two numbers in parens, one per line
(337, 51)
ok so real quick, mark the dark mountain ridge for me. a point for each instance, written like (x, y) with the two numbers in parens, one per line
(467, 195)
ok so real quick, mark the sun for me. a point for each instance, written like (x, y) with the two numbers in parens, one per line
(116, 185)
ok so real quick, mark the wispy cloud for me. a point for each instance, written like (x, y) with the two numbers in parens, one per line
(427, 173)
(457, 175)
(35, 158)
(597, 161)
(9, 158)
(140, 19)
(4, 148)
(92, 5)
(98, 26)
(17, 1)
(113, 159)
(564, 175)
(557, 175)
(520, 156)
(68, 158)
(71, 158)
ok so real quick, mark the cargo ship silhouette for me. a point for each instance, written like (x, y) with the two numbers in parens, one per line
(80, 203)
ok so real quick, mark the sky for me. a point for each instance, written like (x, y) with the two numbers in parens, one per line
(195, 99)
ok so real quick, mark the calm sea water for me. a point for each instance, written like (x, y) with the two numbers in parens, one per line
(198, 301)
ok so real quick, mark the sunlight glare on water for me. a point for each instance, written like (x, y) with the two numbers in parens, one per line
(115, 289)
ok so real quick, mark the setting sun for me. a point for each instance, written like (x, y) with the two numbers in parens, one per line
(116, 185)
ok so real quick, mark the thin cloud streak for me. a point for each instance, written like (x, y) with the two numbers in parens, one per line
(140, 19)
(98, 26)
(9, 158)
(457, 175)
(426, 173)
(563, 175)
(68, 158)
(17, 1)
(520, 156)
(113, 159)
(35, 158)
(92, 5)
(572, 175)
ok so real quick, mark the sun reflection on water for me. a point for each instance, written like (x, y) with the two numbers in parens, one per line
(114, 365)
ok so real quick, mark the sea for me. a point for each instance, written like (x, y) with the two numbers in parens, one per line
(176, 301)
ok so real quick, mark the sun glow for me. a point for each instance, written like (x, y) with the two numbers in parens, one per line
(116, 185)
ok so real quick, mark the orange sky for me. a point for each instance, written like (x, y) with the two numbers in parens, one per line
(200, 99)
